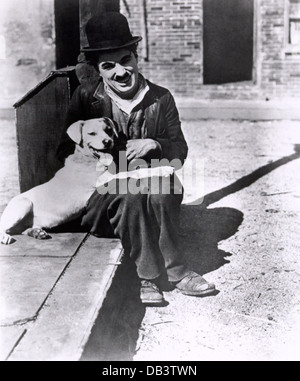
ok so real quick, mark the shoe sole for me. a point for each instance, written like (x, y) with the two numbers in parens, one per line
(153, 302)
(198, 293)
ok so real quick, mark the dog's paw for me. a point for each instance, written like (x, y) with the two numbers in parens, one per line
(160, 171)
(167, 171)
(37, 233)
(6, 239)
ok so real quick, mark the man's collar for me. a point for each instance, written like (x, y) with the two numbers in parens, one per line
(124, 104)
(99, 92)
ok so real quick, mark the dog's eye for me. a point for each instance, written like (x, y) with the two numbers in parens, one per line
(92, 133)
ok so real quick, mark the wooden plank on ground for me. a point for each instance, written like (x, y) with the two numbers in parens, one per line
(60, 245)
(63, 326)
(29, 269)
(9, 337)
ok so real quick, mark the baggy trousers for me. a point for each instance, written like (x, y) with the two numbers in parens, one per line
(147, 225)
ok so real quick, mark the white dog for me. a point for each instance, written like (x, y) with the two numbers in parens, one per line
(64, 197)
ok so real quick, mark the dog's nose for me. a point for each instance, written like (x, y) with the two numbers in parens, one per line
(107, 143)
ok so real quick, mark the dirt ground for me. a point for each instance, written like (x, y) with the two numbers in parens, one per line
(244, 237)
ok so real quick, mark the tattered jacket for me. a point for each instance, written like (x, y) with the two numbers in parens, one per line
(161, 118)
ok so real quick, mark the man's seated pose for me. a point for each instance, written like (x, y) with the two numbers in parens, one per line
(147, 222)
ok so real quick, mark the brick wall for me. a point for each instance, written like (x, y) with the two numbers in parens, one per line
(174, 31)
(174, 35)
(171, 53)
(280, 70)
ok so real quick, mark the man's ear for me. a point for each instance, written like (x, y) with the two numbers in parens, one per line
(75, 132)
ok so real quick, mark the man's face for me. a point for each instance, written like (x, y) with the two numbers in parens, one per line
(120, 71)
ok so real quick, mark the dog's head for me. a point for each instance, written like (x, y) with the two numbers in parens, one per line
(94, 135)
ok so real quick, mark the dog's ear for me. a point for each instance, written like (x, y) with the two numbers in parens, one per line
(113, 125)
(75, 132)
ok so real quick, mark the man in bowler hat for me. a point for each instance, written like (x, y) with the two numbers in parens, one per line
(147, 224)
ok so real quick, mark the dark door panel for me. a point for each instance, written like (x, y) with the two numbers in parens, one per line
(228, 40)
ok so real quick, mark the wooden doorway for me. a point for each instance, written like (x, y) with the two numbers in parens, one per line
(228, 37)
(67, 31)
(70, 18)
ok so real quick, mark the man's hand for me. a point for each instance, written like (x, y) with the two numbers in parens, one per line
(140, 148)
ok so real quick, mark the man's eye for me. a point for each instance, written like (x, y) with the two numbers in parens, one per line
(92, 133)
(126, 60)
(107, 66)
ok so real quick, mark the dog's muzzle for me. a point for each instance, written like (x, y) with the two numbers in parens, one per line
(108, 143)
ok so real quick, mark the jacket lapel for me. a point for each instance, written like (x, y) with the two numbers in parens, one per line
(151, 107)
(102, 105)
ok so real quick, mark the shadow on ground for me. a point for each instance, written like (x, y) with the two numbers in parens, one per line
(202, 230)
(116, 330)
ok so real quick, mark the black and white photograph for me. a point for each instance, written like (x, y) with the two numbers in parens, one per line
(149, 183)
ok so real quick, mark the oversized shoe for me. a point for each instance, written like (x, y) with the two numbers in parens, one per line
(150, 293)
(194, 284)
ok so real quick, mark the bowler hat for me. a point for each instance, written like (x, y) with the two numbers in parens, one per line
(108, 32)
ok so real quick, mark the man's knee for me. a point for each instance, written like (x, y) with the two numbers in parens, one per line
(165, 200)
(133, 200)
